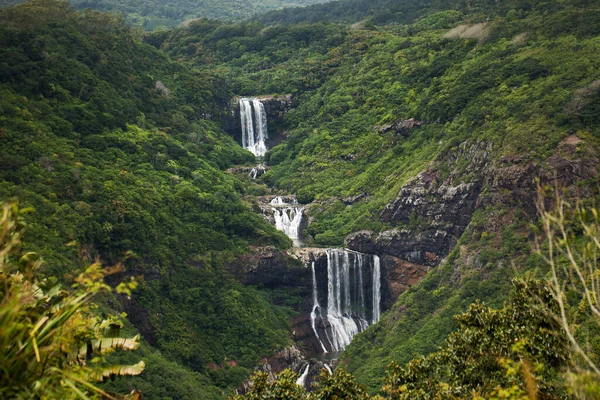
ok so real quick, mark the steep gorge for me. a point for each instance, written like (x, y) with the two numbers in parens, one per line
(402, 164)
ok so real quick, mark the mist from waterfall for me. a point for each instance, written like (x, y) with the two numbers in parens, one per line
(253, 120)
(347, 313)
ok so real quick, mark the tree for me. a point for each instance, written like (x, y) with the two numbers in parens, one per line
(570, 244)
(477, 359)
(51, 341)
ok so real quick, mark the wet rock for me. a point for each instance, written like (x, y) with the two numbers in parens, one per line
(426, 247)
(276, 107)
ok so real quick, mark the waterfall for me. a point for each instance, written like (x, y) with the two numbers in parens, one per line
(288, 220)
(376, 288)
(257, 171)
(302, 379)
(328, 369)
(316, 307)
(253, 119)
(288, 216)
(261, 127)
(349, 275)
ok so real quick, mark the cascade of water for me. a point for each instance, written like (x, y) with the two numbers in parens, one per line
(279, 201)
(261, 128)
(346, 312)
(289, 220)
(316, 308)
(257, 171)
(343, 326)
(288, 216)
(302, 379)
(376, 288)
(254, 126)
(328, 369)
(247, 124)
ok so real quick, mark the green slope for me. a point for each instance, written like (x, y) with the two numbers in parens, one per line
(152, 14)
(108, 140)
(521, 82)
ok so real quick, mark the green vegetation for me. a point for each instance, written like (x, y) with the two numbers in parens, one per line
(340, 385)
(109, 141)
(119, 149)
(153, 14)
(517, 352)
(52, 342)
(522, 73)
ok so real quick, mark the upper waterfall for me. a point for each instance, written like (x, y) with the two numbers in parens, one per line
(253, 120)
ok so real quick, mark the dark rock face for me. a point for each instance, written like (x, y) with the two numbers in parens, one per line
(139, 317)
(425, 247)
(440, 211)
(277, 106)
(272, 269)
(432, 212)
(400, 127)
(398, 276)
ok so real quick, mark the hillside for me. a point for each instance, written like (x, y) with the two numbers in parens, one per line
(109, 141)
(154, 14)
(450, 112)
(414, 135)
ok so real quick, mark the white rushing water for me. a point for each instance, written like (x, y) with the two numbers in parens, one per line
(316, 308)
(288, 216)
(347, 312)
(253, 119)
(302, 379)
(376, 289)
(257, 171)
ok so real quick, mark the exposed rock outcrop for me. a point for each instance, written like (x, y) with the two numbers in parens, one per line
(270, 268)
(433, 210)
(400, 127)
(138, 316)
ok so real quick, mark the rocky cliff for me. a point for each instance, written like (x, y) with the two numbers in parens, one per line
(432, 211)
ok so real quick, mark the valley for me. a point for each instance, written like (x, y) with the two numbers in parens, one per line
(353, 190)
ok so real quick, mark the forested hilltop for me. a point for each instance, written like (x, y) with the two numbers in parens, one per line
(152, 14)
(417, 132)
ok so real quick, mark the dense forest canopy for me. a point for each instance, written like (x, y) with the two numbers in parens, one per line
(155, 14)
(410, 121)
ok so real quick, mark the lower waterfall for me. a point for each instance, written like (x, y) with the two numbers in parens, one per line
(376, 289)
(349, 276)
(316, 308)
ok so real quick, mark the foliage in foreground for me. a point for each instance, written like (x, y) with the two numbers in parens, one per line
(52, 343)
(111, 142)
(340, 385)
(504, 353)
